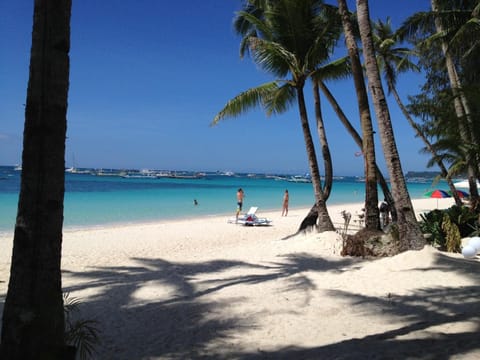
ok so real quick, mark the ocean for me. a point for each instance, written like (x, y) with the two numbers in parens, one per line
(93, 200)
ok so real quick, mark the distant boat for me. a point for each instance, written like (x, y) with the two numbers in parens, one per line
(300, 179)
(18, 167)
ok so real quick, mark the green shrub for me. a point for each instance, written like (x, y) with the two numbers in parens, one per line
(461, 218)
(432, 224)
(464, 218)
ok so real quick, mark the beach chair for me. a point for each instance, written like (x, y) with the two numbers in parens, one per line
(250, 218)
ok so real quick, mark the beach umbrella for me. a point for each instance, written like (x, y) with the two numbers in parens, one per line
(437, 194)
(461, 193)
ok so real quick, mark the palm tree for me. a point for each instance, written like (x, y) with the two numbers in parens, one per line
(33, 317)
(394, 60)
(409, 229)
(446, 24)
(372, 219)
(284, 37)
(462, 108)
(358, 140)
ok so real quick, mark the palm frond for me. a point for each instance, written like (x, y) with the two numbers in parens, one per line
(245, 101)
(336, 70)
(280, 99)
(274, 58)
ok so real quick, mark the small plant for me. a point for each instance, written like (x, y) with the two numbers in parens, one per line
(453, 238)
(82, 334)
(346, 221)
(432, 224)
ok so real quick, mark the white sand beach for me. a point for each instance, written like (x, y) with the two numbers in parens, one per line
(203, 288)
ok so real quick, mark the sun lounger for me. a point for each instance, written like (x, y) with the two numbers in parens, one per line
(250, 219)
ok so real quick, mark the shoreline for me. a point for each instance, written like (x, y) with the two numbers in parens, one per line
(420, 205)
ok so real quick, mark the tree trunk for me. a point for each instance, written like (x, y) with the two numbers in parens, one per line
(322, 135)
(421, 135)
(372, 216)
(324, 221)
(462, 111)
(409, 229)
(358, 140)
(33, 317)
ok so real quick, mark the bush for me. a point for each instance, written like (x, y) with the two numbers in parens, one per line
(432, 224)
(460, 218)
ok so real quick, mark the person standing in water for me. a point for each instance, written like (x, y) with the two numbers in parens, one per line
(240, 196)
(285, 203)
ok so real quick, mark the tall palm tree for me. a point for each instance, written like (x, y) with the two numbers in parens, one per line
(358, 140)
(446, 24)
(372, 220)
(409, 229)
(462, 107)
(33, 317)
(394, 60)
(284, 37)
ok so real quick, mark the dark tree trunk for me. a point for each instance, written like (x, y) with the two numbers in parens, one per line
(409, 229)
(358, 140)
(322, 135)
(324, 221)
(372, 215)
(33, 317)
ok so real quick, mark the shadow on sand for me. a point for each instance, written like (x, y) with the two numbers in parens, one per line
(185, 325)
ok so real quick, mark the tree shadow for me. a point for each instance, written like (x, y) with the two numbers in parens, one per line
(183, 322)
(186, 323)
(416, 336)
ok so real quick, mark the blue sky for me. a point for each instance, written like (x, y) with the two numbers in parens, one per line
(148, 76)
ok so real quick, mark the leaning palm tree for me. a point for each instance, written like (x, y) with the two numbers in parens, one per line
(358, 140)
(444, 25)
(372, 219)
(283, 37)
(393, 60)
(33, 317)
(409, 229)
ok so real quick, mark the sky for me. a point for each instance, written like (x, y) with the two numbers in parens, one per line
(147, 78)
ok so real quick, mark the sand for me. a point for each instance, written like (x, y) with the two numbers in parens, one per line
(204, 288)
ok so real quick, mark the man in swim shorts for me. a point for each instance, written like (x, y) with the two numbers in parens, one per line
(240, 196)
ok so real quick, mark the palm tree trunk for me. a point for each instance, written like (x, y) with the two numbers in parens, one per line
(462, 111)
(33, 317)
(421, 135)
(324, 221)
(327, 158)
(372, 215)
(358, 140)
(409, 229)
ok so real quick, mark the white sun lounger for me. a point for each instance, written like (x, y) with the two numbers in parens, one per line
(250, 219)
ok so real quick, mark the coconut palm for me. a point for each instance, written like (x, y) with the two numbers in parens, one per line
(442, 25)
(372, 220)
(284, 38)
(394, 60)
(462, 108)
(358, 140)
(409, 229)
(33, 317)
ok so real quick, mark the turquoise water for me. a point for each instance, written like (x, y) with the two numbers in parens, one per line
(101, 200)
